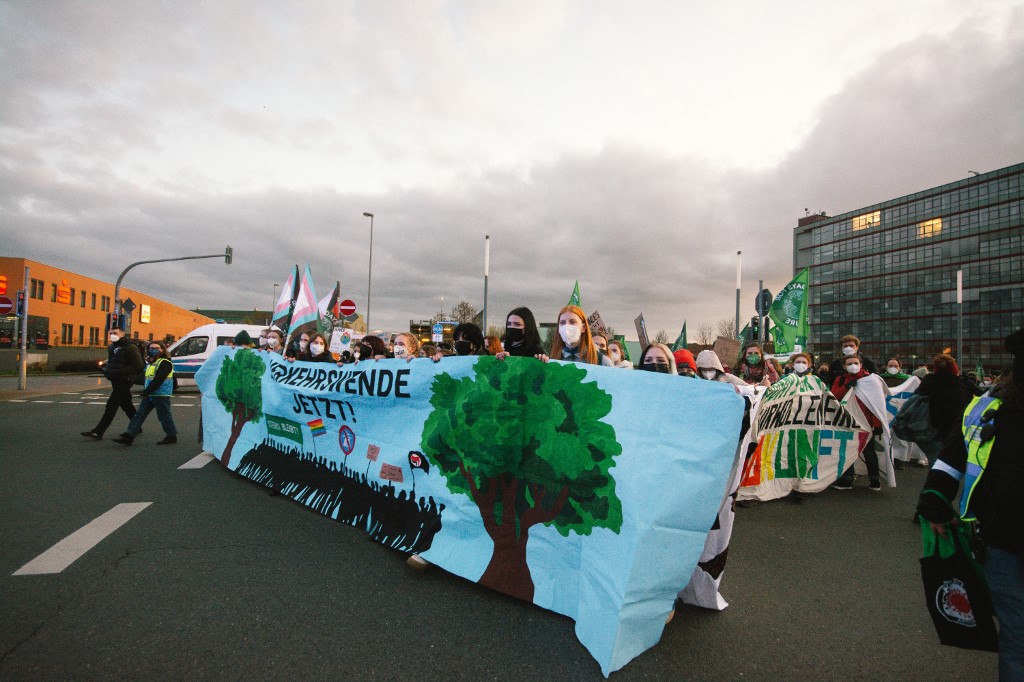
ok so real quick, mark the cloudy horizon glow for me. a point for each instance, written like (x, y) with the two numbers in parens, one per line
(633, 147)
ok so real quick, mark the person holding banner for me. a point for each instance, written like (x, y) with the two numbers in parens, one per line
(275, 341)
(600, 341)
(856, 372)
(406, 346)
(299, 350)
(658, 357)
(522, 339)
(317, 349)
(573, 341)
(371, 347)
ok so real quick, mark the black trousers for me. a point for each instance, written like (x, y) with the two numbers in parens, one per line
(120, 398)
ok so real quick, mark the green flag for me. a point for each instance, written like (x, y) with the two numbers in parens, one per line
(681, 339)
(575, 298)
(789, 313)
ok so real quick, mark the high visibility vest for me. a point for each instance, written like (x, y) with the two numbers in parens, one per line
(977, 451)
(167, 387)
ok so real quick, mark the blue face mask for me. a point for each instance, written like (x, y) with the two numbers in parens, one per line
(153, 352)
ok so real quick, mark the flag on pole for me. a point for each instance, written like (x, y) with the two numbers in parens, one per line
(317, 428)
(328, 308)
(418, 461)
(283, 308)
(789, 313)
(306, 309)
(575, 298)
(306, 312)
(680, 343)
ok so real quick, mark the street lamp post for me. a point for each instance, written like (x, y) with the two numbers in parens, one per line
(273, 304)
(369, 273)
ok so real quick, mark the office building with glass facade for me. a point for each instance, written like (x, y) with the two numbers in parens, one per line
(888, 273)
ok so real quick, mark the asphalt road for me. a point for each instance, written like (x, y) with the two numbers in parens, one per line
(217, 579)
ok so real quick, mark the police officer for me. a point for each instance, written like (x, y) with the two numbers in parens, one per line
(124, 363)
(988, 457)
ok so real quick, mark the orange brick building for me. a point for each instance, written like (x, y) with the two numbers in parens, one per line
(68, 309)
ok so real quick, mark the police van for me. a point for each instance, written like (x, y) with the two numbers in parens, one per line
(190, 351)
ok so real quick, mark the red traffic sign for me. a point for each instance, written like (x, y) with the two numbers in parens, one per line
(6, 305)
(347, 307)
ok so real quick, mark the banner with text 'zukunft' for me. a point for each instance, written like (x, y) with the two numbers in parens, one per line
(580, 488)
(805, 440)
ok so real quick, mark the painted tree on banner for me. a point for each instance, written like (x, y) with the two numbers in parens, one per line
(240, 391)
(525, 441)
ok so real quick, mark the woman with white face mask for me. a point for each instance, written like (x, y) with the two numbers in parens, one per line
(573, 342)
(275, 341)
(617, 354)
(317, 350)
(709, 367)
(894, 375)
(802, 364)
(406, 347)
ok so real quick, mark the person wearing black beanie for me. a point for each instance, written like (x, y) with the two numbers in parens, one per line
(994, 432)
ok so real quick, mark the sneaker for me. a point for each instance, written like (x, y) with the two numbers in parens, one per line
(418, 563)
(875, 486)
(123, 439)
(838, 485)
(169, 440)
(92, 434)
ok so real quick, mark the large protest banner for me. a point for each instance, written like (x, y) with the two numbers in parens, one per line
(583, 489)
(805, 440)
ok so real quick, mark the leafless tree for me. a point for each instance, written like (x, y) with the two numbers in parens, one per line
(464, 312)
(706, 334)
(725, 327)
(661, 337)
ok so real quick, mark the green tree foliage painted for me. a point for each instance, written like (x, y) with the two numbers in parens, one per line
(525, 441)
(240, 391)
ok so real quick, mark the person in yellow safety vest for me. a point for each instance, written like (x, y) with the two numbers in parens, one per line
(988, 457)
(155, 395)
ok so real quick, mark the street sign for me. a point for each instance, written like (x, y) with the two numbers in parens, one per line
(6, 305)
(437, 332)
(763, 302)
(128, 305)
(347, 307)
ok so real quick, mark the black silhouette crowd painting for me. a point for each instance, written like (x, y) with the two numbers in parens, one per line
(395, 518)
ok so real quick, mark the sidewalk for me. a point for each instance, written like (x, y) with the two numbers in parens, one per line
(41, 385)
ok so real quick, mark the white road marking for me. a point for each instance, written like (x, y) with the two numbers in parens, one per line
(199, 461)
(17, 400)
(71, 402)
(44, 401)
(71, 548)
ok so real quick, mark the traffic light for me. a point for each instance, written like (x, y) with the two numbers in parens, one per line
(21, 303)
(755, 328)
(227, 255)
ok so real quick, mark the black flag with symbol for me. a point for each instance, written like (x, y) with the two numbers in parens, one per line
(418, 461)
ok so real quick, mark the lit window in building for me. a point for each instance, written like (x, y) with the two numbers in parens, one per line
(863, 222)
(929, 228)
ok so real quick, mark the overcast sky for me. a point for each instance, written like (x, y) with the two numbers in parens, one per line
(634, 146)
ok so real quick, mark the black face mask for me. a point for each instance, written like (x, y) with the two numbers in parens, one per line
(463, 347)
(655, 367)
(514, 335)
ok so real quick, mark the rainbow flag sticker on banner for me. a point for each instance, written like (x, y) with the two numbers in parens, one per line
(317, 428)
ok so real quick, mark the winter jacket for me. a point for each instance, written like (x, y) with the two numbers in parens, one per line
(124, 361)
(948, 396)
(708, 359)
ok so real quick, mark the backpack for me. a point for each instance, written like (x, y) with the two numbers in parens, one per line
(913, 422)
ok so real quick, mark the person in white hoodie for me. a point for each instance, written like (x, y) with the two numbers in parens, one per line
(710, 367)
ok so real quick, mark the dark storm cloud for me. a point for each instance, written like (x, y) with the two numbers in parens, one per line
(641, 229)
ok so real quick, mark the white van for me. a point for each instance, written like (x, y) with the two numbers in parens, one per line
(190, 351)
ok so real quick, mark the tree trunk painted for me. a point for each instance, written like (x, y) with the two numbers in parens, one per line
(508, 571)
(237, 422)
